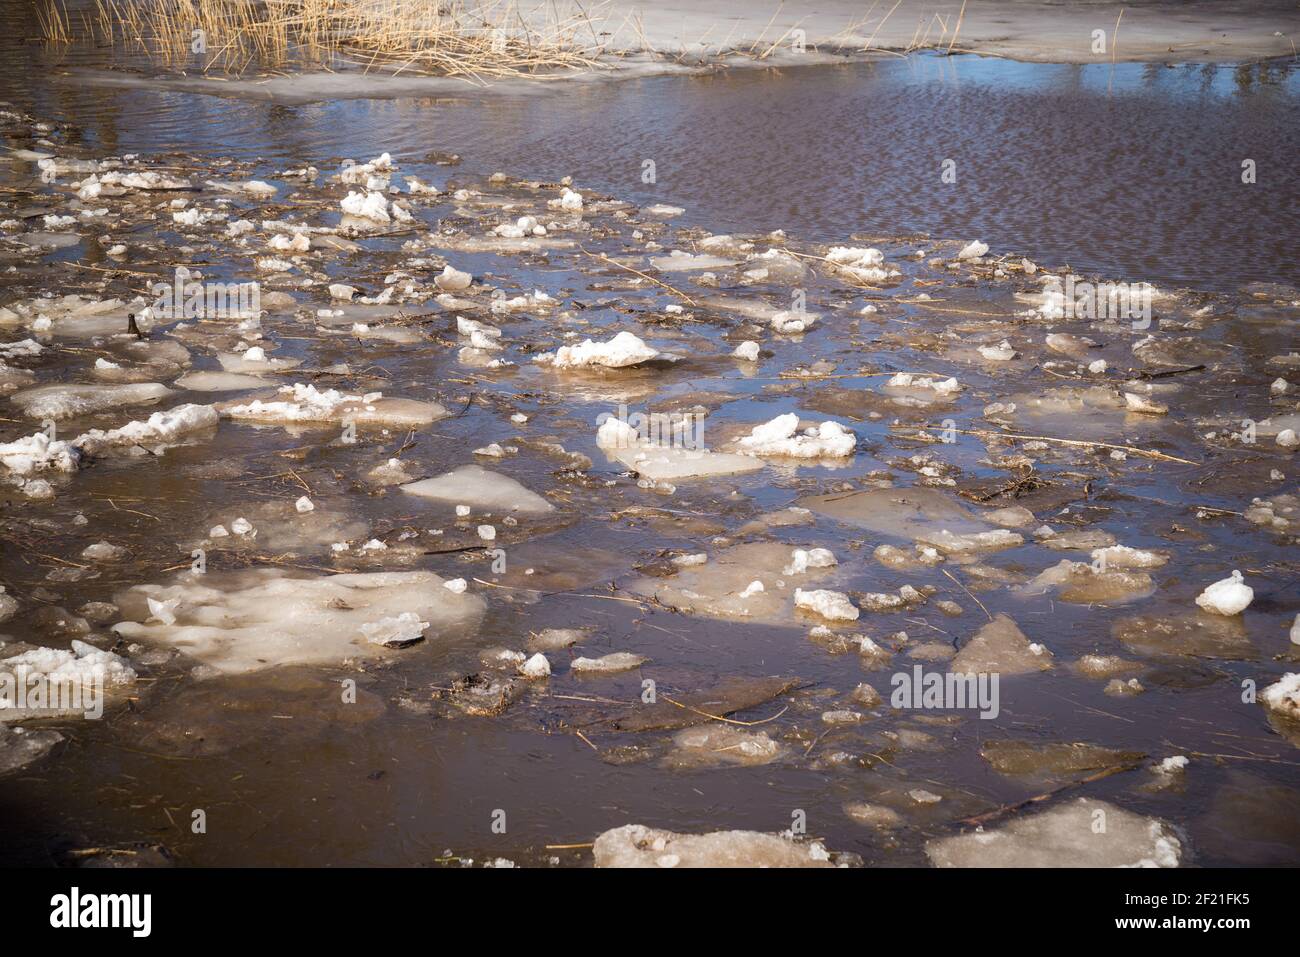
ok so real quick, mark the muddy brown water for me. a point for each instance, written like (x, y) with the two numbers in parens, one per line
(1134, 175)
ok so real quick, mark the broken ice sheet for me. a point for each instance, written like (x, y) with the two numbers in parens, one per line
(723, 586)
(1055, 760)
(261, 618)
(634, 845)
(83, 672)
(208, 381)
(1000, 647)
(306, 405)
(1084, 584)
(278, 526)
(727, 697)
(20, 747)
(714, 745)
(67, 401)
(1193, 633)
(911, 514)
(1064, 835)
(481, 489)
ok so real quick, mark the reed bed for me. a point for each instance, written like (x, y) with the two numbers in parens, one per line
(474, 40)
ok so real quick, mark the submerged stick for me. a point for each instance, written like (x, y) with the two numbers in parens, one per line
(676, 292)
(1145, 453)
(1039, 798)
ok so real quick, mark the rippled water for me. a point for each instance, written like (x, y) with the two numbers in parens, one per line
(1135, 168)
(1134, 174)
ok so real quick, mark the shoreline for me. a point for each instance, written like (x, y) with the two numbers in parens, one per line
(672, 39)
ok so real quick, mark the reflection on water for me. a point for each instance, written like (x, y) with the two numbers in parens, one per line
(1134, 170)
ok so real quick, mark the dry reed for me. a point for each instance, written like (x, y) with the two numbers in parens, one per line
(474, 40)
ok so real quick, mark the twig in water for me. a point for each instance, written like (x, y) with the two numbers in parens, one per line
(967, 591)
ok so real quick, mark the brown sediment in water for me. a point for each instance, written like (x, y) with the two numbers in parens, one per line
(436, 725)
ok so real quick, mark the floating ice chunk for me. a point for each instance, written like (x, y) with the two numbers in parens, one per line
(680, 261)
(487, 532)
(524, 226)
(23, 347)
(1087, 584)
(163, 611)
(405, 629)
(801, 560)
(253, 187)
(779, 438)
(367, 205)
(20, 747)
(38, 452)
(865, 265)
(1283, 696)
(570, 200)
(255, 360)
(145, 180)
(608, 664)
(1229, 596)
(973, 250)
(712, 745)
(908, 381)
(483, 488)
(1000, 647)
(753, 588)
(1287, 439)
(261, 619)
(78, 674)
(104, 552)
(1122, 556)
(635, 845)
(1144, 404)
(624, 349)
(536, 667)
(305, 404)
(793, 321)
(195, 216)
(455, 585)
(452, 279)
(1064, 835)
(1003, 352)
(304, 505)
(662, 463)
(1295, 630)
(747, 350)
(419, 188)
(831, 605)
(161, 428)
(282, 242)
(66, 401)
(219, 382)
